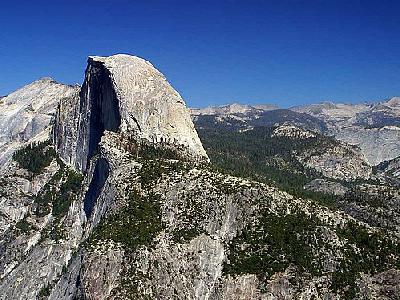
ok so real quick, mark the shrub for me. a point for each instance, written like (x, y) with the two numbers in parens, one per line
(35, 157)
(137, 224)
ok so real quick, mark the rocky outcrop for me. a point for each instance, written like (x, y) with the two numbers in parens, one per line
(377, 144)
(26, 117)
(209, 232)
(42, 264)
(125, 94)
(291, 131)
(384, 285)
(339, 161)
(326, 187)
(26, 114)
(100, 270)
(329, 157)
(391, 167)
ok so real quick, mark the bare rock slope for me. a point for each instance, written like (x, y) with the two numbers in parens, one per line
(25, 114)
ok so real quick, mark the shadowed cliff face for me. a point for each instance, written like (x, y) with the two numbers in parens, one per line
(101, 172)
(99, 94)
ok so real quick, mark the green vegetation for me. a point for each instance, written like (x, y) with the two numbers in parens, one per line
(44, 292)
(68, 190)
(55, 197)
(58, 194)
(372, 200)
(35, 157)
(152, 170)
(272, 245)
(366, 252)
(135, 225)
(276, 242)
(154, 151)
(187, 234)
(147, 151)
(24, 226)
(255, 154)
(140, 222)
(3, 185)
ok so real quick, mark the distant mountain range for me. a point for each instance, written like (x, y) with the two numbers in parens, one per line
(375, 128)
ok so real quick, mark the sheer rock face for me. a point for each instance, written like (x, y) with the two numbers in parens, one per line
(26, 114)
(65, 134)
(126, 94)
(87, 124)
(377, 144)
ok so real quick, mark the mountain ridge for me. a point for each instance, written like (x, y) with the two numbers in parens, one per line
(373, 127)
(97, 209)
(213, 109)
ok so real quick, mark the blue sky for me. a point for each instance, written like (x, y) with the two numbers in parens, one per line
(214, 52)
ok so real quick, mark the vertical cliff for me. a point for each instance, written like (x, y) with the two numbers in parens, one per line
(99, 111)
